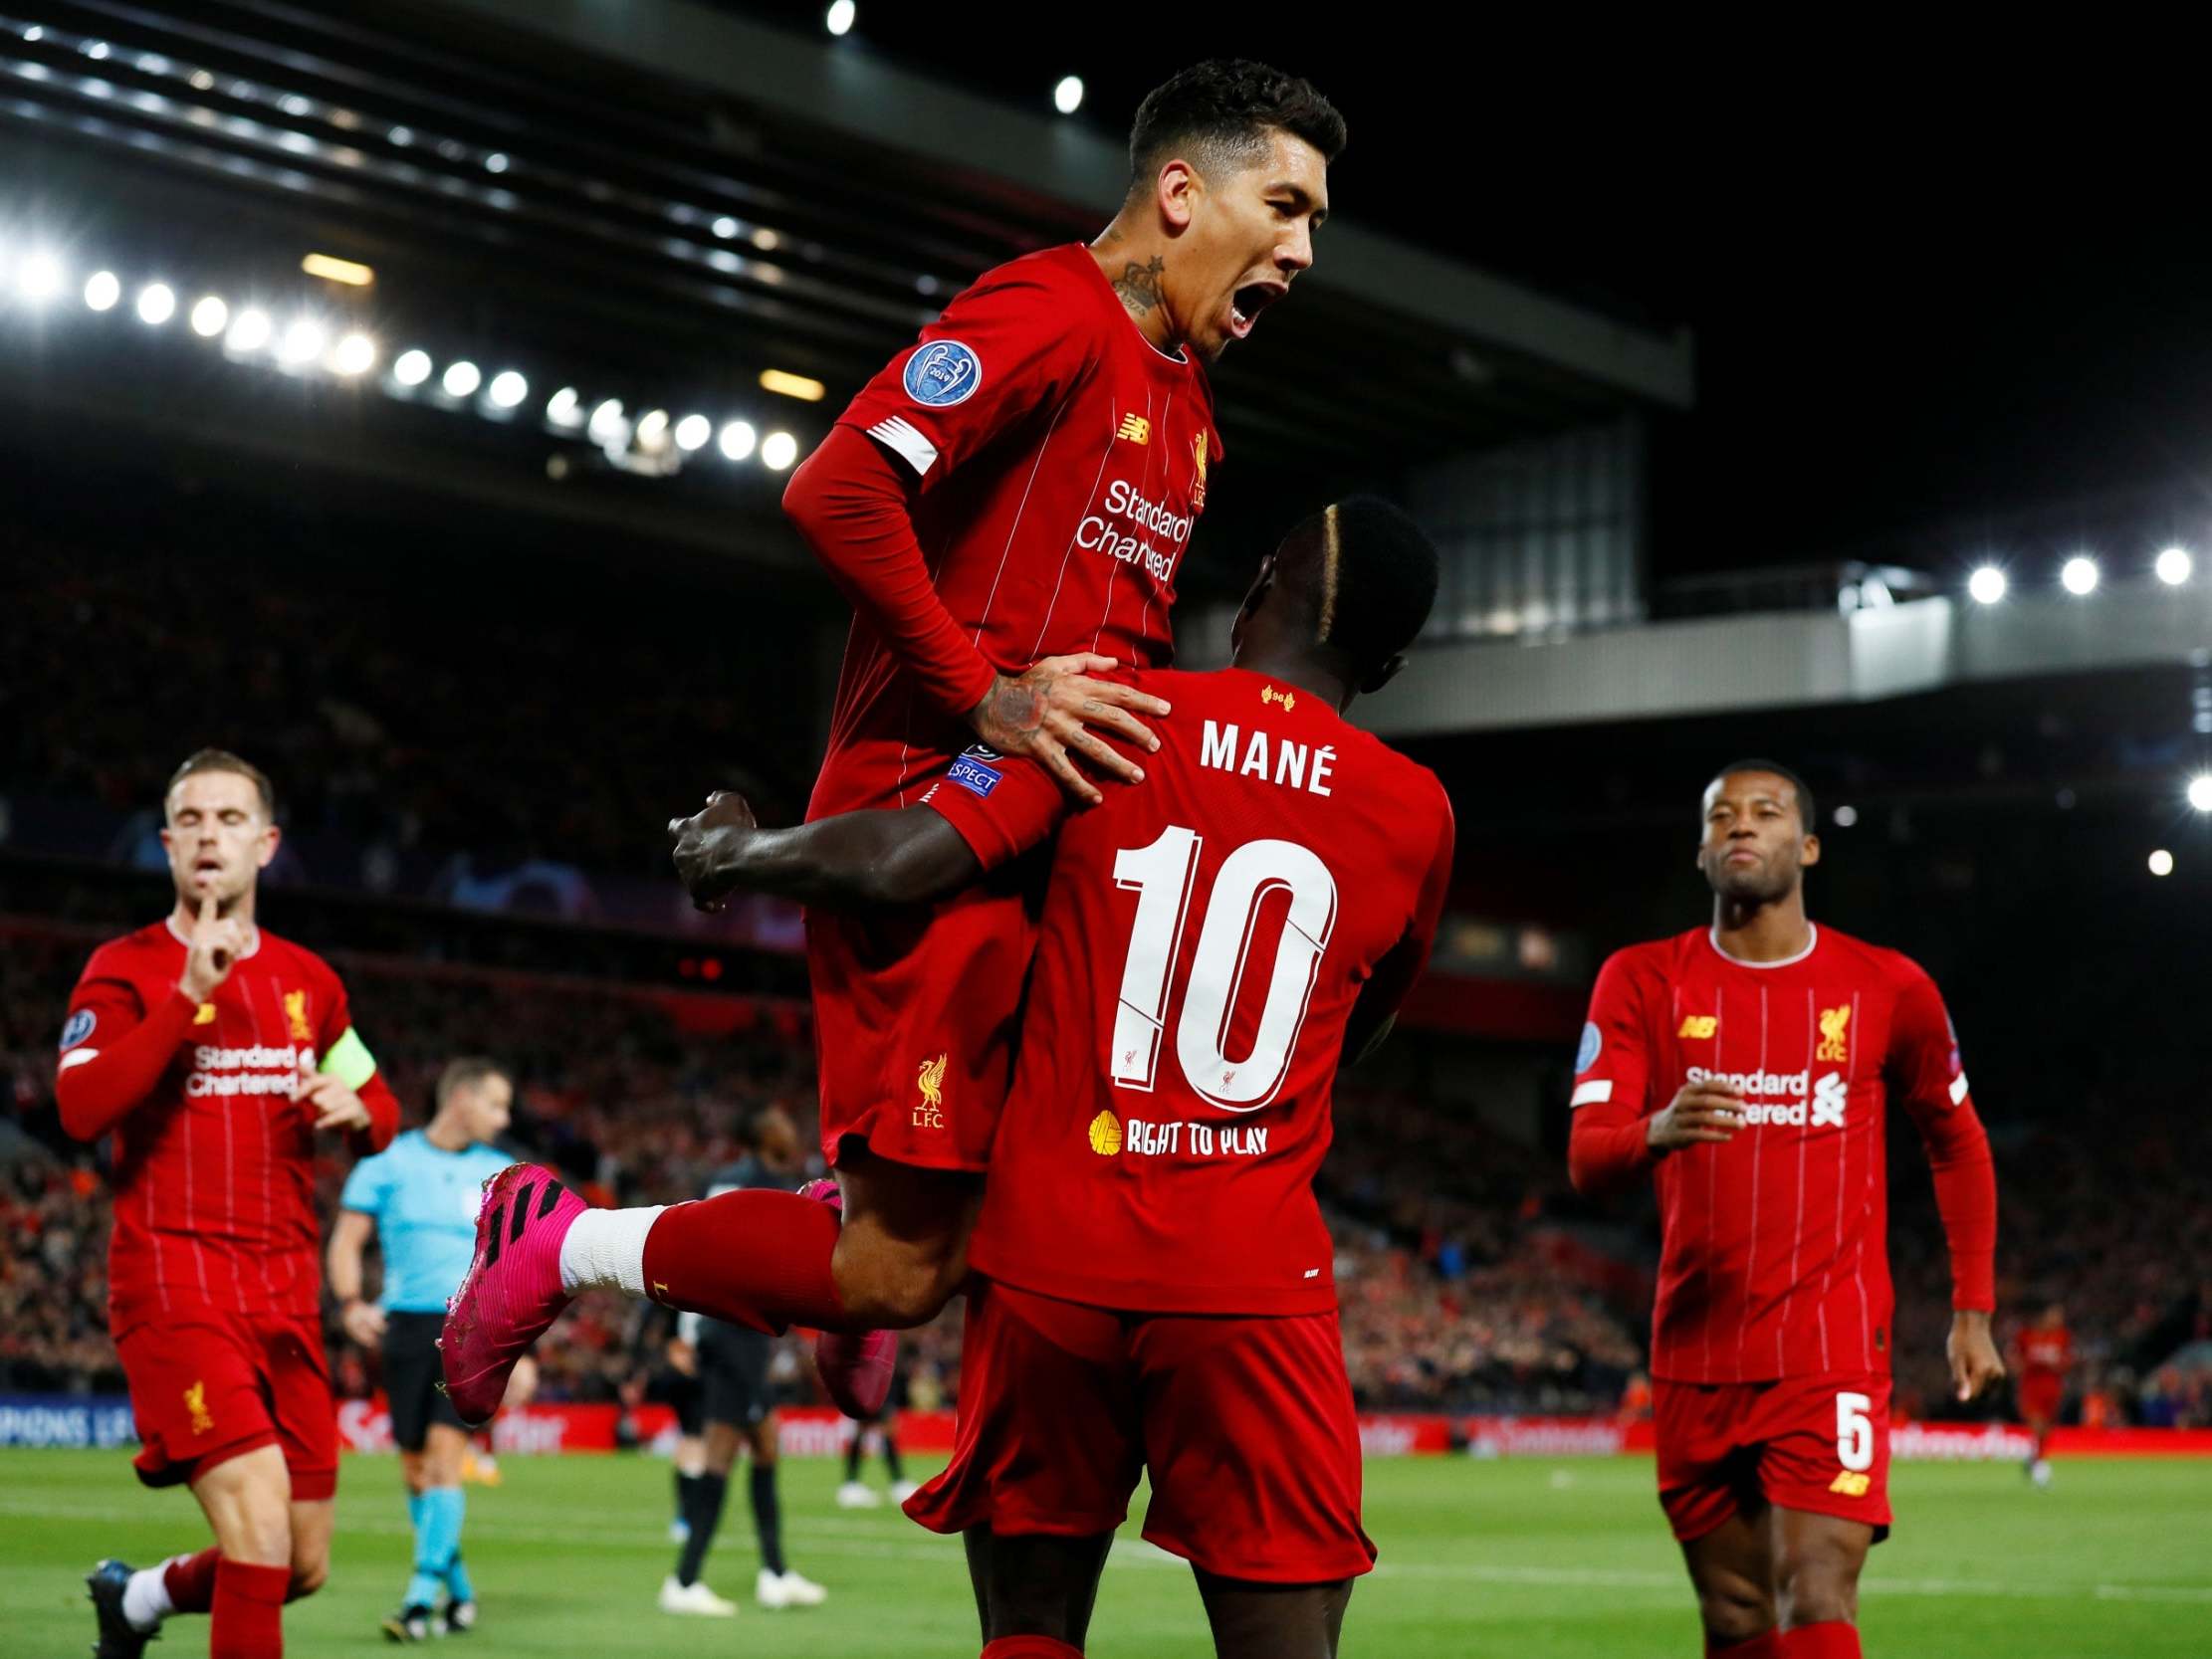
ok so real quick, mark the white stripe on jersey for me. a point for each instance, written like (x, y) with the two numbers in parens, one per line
(76, 1056)
(1958, 1088)
(1593, 1092)
(901, 435)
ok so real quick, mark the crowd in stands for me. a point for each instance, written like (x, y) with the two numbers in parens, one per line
(1466, 1275)
(408, 730)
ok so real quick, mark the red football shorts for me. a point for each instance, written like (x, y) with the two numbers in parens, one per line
(1815, 1443)
(2041, 1394)
(1245, 1425)
(211, 1386)
(915, 1017)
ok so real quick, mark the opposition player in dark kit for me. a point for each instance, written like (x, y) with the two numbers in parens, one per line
(1748, 1068)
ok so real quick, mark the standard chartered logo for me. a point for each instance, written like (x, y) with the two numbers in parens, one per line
(1792, 1098)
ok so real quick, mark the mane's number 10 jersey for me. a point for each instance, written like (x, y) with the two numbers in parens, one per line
(1205, 937)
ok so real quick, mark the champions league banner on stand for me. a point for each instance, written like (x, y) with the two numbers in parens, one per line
(83, 1422)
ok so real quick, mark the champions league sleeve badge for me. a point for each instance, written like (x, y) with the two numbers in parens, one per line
(942, 373)
(1591, 1041)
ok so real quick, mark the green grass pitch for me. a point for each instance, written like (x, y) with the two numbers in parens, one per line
(1555, 1558)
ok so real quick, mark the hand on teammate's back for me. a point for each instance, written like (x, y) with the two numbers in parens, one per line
(1052, 707)
(1698, 1112)
(213, 948)
(699, 844)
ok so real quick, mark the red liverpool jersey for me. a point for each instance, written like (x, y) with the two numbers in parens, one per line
(214, 1165)
(1774, 1257)
(1206, 936)
(2045, 1352)
(1064, 461)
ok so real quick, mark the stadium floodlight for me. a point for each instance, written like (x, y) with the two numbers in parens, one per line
(39, 277)
(738, 440)
(249, 330)
(726, 227)
(157, 303)
(461, 378)
(778, 451)
(1987, 586)
(210, 317)
(563, 407)
(784, 383)
(509, 388)
(693, 431)
(652, 429)
(2079, 575)
(413, 368)
(839, 19)
(102, 289)
(331, 269)
(2174, 566)
(2200, 791)
(1845, 816)
(1067, 97)
(303, 342)
(355, 355)
(496, 162)
(606, 422)
(2161, 862)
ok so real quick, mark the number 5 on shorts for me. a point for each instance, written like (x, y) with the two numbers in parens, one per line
(1854, 1434)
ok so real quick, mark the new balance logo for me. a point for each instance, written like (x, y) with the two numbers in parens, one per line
(1136, 429)
(1699, 1025)
(1850, 1485)
(1828, 1098)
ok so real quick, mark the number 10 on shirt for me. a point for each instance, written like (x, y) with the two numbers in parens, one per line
(1164, 876)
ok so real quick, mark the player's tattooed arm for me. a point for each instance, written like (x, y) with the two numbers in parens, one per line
(1048, 711)
(853, 861)
(1139, 285)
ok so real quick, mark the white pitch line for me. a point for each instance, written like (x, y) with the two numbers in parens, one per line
(835, 1537)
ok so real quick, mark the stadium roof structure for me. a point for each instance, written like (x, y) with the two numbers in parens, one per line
(657, 201)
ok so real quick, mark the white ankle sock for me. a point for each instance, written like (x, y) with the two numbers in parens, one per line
(145, 1599)
(605, 1249)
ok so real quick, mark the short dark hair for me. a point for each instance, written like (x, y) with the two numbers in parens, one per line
(1367, 574)
(1227, 106)
(1805, 808)
(466, 1073)
(222, 761)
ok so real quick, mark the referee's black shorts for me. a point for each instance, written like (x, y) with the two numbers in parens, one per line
(411, 1376)
(733, 1373)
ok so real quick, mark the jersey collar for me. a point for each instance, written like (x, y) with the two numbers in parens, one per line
(1811, 944)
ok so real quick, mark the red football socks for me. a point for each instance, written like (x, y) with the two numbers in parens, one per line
(249, 1611)
(1767, 1644)
(756, 1258)
(1829, 1639)
(1030, 1647)
(190, 1580)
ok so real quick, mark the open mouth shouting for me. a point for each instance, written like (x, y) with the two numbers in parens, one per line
(1249, 301)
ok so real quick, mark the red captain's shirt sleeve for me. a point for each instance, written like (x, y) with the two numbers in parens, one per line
(114, 1051)
(1001, 807)
(375, 1093)
(1006, 349)
(1924, 1072)
(1608, 1150)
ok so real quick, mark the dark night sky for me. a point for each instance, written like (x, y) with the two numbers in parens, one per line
(1931, 281)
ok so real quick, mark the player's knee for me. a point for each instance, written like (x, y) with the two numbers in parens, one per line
(308, 1577)
(1734, 1610)
(1815, 1587)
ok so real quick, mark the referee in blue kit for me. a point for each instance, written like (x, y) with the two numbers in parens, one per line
(419, 1196)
